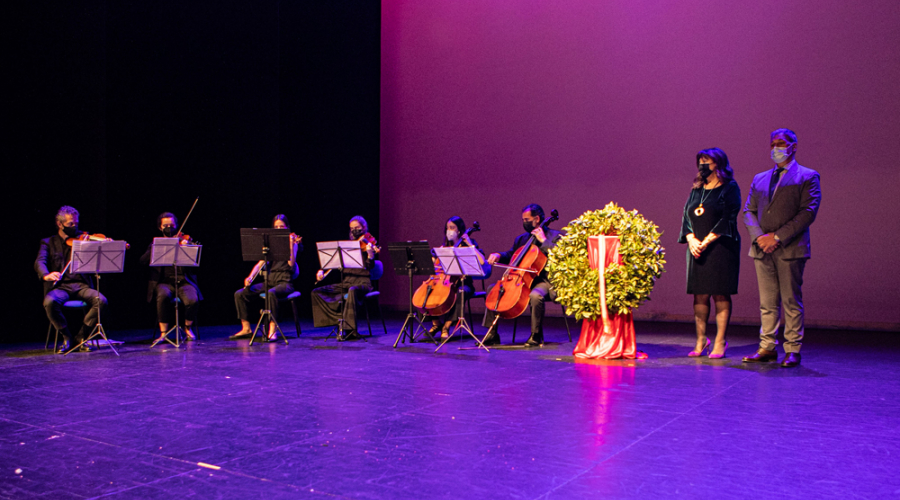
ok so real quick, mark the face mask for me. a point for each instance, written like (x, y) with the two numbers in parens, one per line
(357, 233)
(780, 155)
(528, 226)
(168, 232)
(452, 235)
(704, 171)
(71, 232)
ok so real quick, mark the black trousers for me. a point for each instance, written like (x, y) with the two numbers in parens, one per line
(165, 295)
(54, 300)
(541, 292)
(243, 297)
(326, 302)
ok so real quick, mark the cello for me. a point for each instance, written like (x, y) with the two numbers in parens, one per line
(509, 296)
(437, 295)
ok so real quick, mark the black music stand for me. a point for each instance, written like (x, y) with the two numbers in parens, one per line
(170, 252)
(462, 262)
(411, 258)
(340, 255)
(266, 244)
(97, 257)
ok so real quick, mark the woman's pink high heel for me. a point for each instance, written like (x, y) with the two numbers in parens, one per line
(695, 354)
(719, 356)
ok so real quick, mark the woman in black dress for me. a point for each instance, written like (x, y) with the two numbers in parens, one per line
(709, 227)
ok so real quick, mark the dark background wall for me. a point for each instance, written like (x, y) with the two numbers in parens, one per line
(126, 110)
(488, 106)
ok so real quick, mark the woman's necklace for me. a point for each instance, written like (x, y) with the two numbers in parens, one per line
(699, 210)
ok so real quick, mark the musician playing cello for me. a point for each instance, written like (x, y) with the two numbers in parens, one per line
(326, 300)
(163, 280)
(454, 231)
(61, 285)
(541, 290)
(280, 281)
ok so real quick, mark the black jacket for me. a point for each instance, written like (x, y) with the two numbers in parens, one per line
(53, 255)
(156, 275)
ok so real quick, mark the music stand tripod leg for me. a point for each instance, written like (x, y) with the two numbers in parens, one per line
(98, 330)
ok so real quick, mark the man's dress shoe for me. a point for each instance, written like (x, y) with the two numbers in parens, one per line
(535, 340)
(492, 338)
(761, 356)
(791, 360)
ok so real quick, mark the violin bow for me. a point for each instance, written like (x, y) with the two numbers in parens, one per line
(181, 229)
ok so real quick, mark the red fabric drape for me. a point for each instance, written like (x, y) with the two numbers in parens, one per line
(619, 341)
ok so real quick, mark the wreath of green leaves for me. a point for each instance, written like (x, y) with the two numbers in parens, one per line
(627, 285)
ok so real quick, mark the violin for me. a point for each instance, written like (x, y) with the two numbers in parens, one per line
(91, 237)
(184, 239)
(366, 240)
(509, 297)
(437, 295)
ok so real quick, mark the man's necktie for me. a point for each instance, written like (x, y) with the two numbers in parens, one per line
(774, 182)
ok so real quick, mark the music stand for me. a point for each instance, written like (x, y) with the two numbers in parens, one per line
(170, 252)
(266, 244)
(340, 255)
(462, 262)
(97, 257)
(411, 258)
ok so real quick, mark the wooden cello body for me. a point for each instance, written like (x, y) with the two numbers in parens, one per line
(510, 295)
(437, 295)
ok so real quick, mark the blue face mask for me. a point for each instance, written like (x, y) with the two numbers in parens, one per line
(780, 155)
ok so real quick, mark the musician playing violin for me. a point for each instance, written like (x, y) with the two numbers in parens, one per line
(61, 285)
(541, 290)
(163, 280)
(454, 230)
(326, 300)
(280, 278)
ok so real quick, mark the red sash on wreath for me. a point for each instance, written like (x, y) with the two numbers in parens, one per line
(612, 335)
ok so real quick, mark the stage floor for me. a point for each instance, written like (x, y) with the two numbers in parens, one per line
(317, 419)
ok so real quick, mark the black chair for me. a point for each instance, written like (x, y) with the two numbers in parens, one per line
(69, 304)
(292, 298)
(375, 275)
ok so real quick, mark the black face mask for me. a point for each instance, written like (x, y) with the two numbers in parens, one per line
(528, 226)
(168, 232)
(357, 233)
(704, 172)
(71, 232)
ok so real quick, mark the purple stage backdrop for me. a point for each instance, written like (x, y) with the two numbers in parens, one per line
(487, 106)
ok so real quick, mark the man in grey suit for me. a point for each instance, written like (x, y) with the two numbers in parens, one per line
(782, 204)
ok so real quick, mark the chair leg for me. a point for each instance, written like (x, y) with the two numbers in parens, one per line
(515, 324)
(381, 315)
(296, 319)
(368, 322)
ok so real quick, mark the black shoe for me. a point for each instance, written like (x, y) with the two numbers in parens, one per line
(64, 346)
(86, 348)
(492, 338)
(536, 340)
(240, 335)
(791, 360)
(761, 356)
